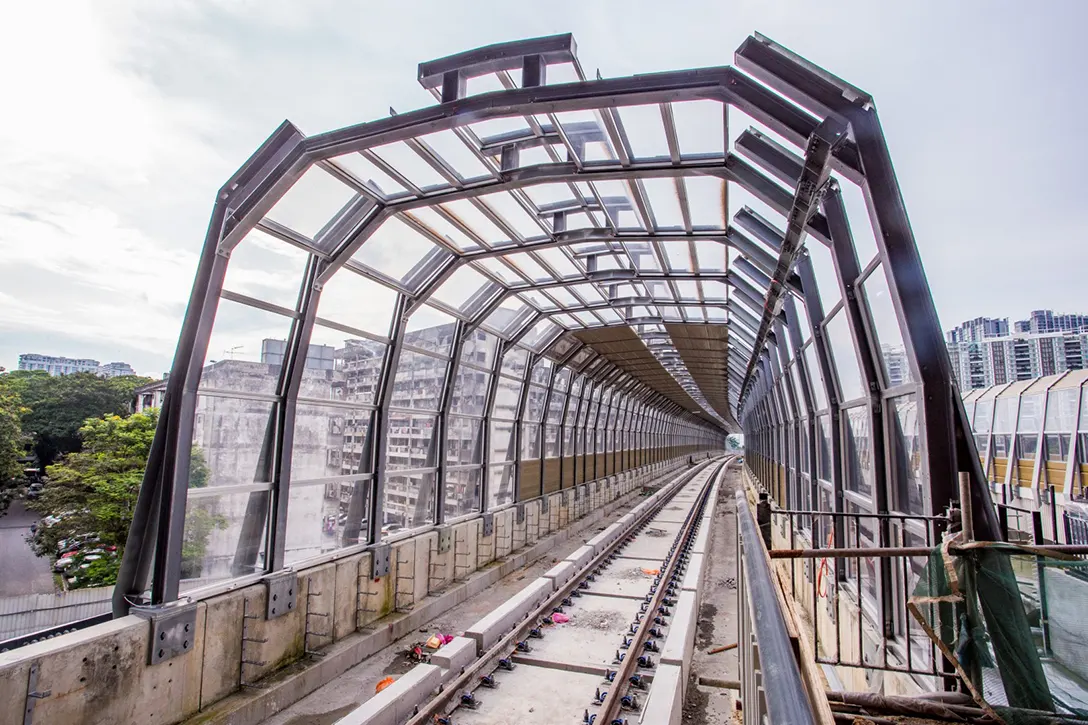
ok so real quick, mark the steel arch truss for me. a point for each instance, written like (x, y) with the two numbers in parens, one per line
(460, 258)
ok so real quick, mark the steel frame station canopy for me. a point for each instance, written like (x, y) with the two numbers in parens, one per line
(585, 220)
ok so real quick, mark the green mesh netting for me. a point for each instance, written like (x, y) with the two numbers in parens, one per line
(1013, 625)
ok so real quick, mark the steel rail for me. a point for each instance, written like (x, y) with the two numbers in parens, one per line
(439, 706)
(610, 708)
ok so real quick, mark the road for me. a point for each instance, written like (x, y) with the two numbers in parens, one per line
(21, 572)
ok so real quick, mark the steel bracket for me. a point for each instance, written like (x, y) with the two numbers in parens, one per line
(488, 520)
(32, 692)
(173, 630)
(379, 561)
(445, 539)
(519, 514)
(282, 589)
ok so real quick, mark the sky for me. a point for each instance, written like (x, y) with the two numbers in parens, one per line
(122, 119)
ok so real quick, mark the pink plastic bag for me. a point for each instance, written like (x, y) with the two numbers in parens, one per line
(560, 618)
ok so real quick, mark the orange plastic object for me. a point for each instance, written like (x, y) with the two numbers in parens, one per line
(651, 572)
(383, 684)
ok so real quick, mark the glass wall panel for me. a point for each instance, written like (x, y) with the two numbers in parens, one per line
(906, 454)
(507, 396)
(812, 367)
(845, 356)
(224, 536)
(246, 349)
(534, 404)
(1030, 420)
(470, 391)
(342, 302)
(328, 441)
(317, 516)
(981, 423)
(463, 491)
(480, 349)
(356, 370)
(893, 353)
(502, 441)
(858, 453)
(551, 441)
(418, 381)
(515, 361)
(410, 441)
(431, 330)
(500, 485)
(234, 439)
(463, 440)
(266, 269)
(1004, 421)
(530, 441)
(409, 501)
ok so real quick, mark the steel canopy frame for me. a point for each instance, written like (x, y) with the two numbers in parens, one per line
(618, 264)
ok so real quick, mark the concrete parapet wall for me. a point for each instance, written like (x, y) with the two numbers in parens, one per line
(101, 674)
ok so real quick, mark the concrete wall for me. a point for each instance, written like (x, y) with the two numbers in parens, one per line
(101, 675)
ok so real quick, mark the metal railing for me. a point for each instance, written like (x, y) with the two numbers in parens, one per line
(855, 602)
(766, 652)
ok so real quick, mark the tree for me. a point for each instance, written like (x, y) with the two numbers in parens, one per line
(92, 493)
(59, 406)
(735, 443)
(12, 442)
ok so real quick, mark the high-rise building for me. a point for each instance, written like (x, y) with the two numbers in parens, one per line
(1043, 321)
(978, 329)
(55, 365)
(984, 353)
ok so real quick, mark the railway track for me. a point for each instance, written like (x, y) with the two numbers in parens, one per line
(603, 637)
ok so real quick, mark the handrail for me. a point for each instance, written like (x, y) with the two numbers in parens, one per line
(789, 702)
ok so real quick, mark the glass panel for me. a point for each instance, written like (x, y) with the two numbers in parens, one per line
(502, 441)
(1029, 444)
(430, 329)
(463, 441)
(394, 249)
(858, 454)
(470, 391)
(312, 202)
(410, 441)
(907, 454)
(500, 486)
(230, 435)
(223, 537)
(358, 368)
(262, 266)
(551, 441)
(507, 396)
(1061, 410)
(328, 441)
(555, 407)
(530, 441)
(534, 406)
(893, 352)
(819, 391)
(480, 349)
(515, 361)
(1031, 409)
(460, 287)
(823, 268)
(1057, 448)
(1003, 415)
(1083, 422)
(418, 382)
(317, 517)
(353, 300)
(242, 351)
(409, 502)
(463, 492)
(845, 356)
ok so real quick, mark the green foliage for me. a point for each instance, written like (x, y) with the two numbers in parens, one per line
(58, 406)
(94, 491)
(12, 441)
(100, 573)
(734, 443)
